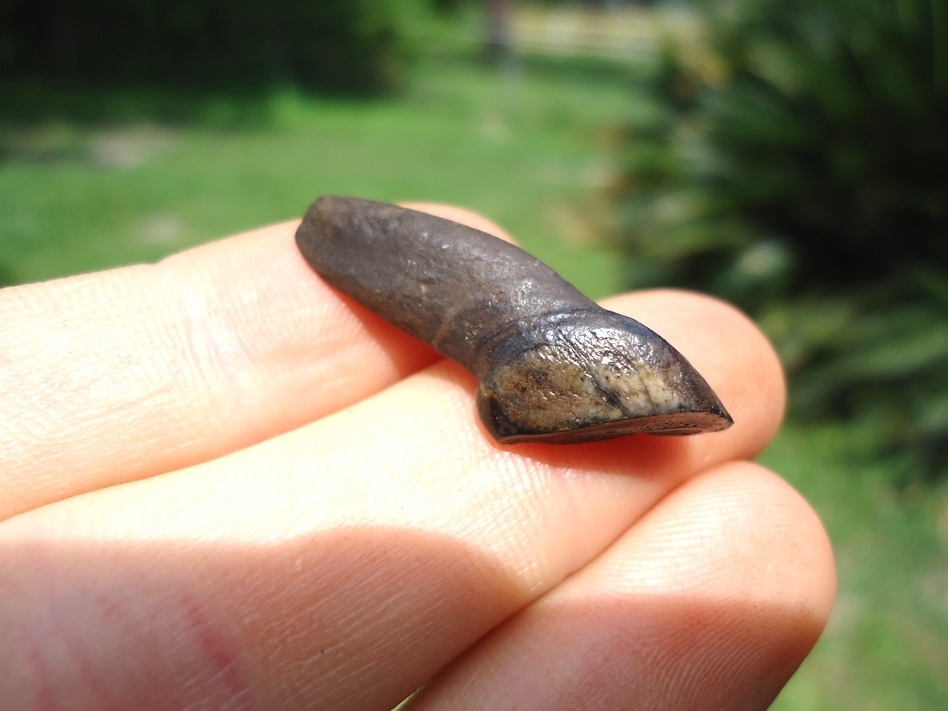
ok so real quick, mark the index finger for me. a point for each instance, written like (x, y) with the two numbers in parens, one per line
(125, 374)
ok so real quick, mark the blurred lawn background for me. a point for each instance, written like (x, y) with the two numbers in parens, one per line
(594, 137)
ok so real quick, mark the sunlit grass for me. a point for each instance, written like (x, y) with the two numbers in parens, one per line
(525, 146)
(887, 643)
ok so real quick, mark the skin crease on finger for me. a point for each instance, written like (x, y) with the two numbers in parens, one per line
(351, 558)
(413, 552)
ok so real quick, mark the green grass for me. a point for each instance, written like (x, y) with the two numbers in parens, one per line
(887, 643)
(524, 147)
(140, 174)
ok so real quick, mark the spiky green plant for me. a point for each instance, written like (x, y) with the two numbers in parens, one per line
(797, 165)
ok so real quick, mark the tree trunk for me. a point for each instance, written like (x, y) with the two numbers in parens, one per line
(498, 46)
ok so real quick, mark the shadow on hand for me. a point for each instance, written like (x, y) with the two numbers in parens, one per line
(351, 618)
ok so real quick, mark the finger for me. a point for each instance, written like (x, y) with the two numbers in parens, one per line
(711, 601)
(458, 214)
(125, 374)
(342, 563)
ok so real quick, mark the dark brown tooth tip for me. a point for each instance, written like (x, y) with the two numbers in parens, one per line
(551, 365)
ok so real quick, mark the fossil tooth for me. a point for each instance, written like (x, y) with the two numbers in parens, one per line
(551, 365)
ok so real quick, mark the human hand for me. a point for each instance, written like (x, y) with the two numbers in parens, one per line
(225, 485)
